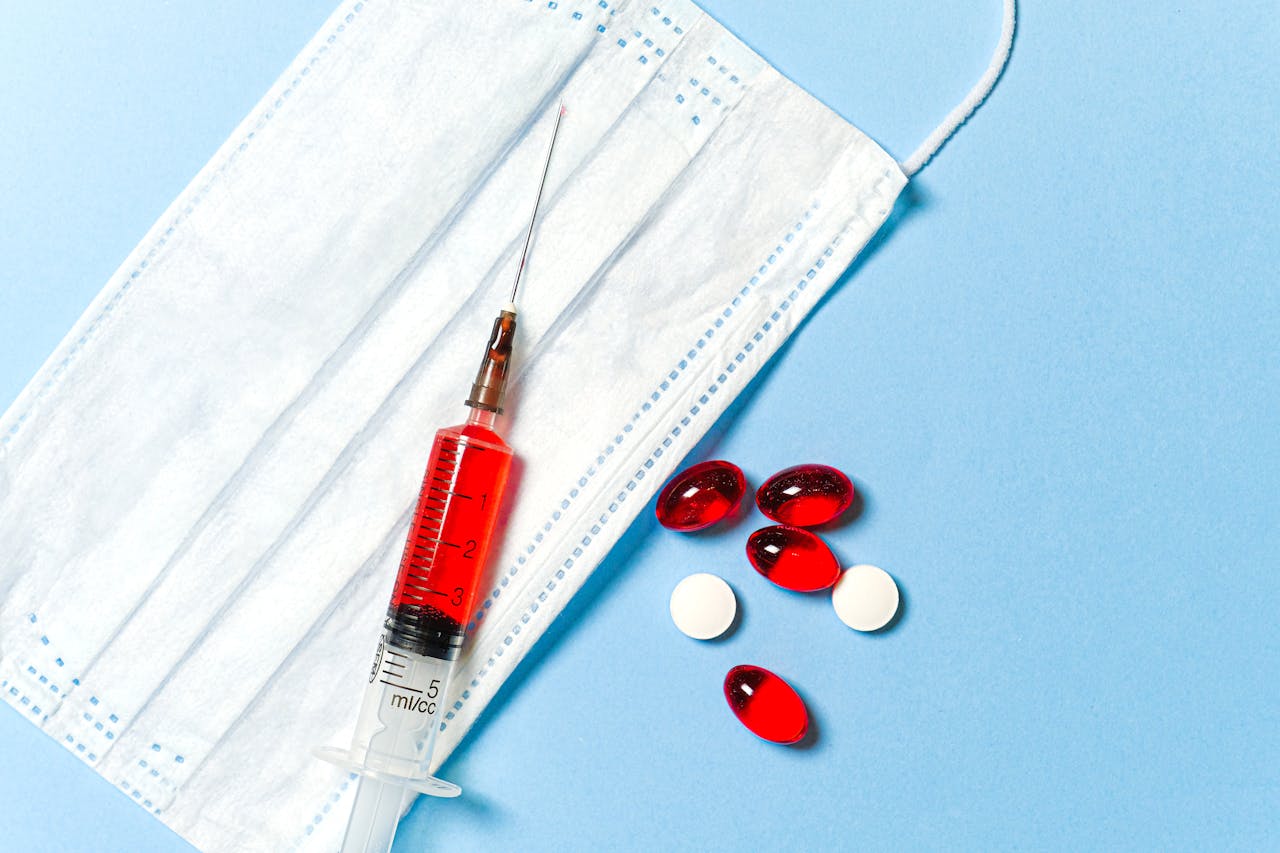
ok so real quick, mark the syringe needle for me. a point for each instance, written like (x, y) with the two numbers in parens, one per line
(546, 167)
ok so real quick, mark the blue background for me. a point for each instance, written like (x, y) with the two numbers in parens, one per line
(1054, 378)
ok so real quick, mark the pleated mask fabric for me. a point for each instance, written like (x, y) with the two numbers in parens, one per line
(205, 490)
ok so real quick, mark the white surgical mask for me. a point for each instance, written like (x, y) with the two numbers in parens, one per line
(204, 492)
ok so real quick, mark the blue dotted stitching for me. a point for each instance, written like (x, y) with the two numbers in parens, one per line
(31, 702)
(703, 89)
(637, 38)
(151, 772)
(178, 220)
(334, 796)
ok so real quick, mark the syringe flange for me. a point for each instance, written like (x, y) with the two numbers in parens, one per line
(423, 784)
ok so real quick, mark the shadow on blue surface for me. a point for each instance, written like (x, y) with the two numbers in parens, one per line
(813, 735)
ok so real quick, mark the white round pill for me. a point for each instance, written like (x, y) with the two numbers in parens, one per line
(703, 606)
(865, 598)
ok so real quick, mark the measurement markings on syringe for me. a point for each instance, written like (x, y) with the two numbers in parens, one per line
(447, 492)
(390, 657)
(421, 704)
(438, 541)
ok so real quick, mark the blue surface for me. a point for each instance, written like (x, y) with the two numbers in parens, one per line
(1057, 385)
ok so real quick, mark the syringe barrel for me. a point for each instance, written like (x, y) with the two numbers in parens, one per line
(453, 525)
(400, 714)
(441, 572)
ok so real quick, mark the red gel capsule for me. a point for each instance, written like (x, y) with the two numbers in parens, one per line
(766, 704)
(700, 496)
(805, 495)
(792, 558)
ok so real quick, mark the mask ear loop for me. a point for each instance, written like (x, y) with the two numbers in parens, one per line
(971, 102)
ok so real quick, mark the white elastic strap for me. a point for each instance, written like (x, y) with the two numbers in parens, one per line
(971, 101)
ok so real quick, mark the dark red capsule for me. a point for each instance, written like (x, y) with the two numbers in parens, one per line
(700, 496)
(805, 495)
(792, 558)
(766, 704)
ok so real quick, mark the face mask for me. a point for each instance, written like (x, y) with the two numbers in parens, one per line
(204, 492)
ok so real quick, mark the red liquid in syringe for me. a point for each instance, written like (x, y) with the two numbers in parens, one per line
(444, 558)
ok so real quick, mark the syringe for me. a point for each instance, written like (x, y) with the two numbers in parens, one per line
(434, 596)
